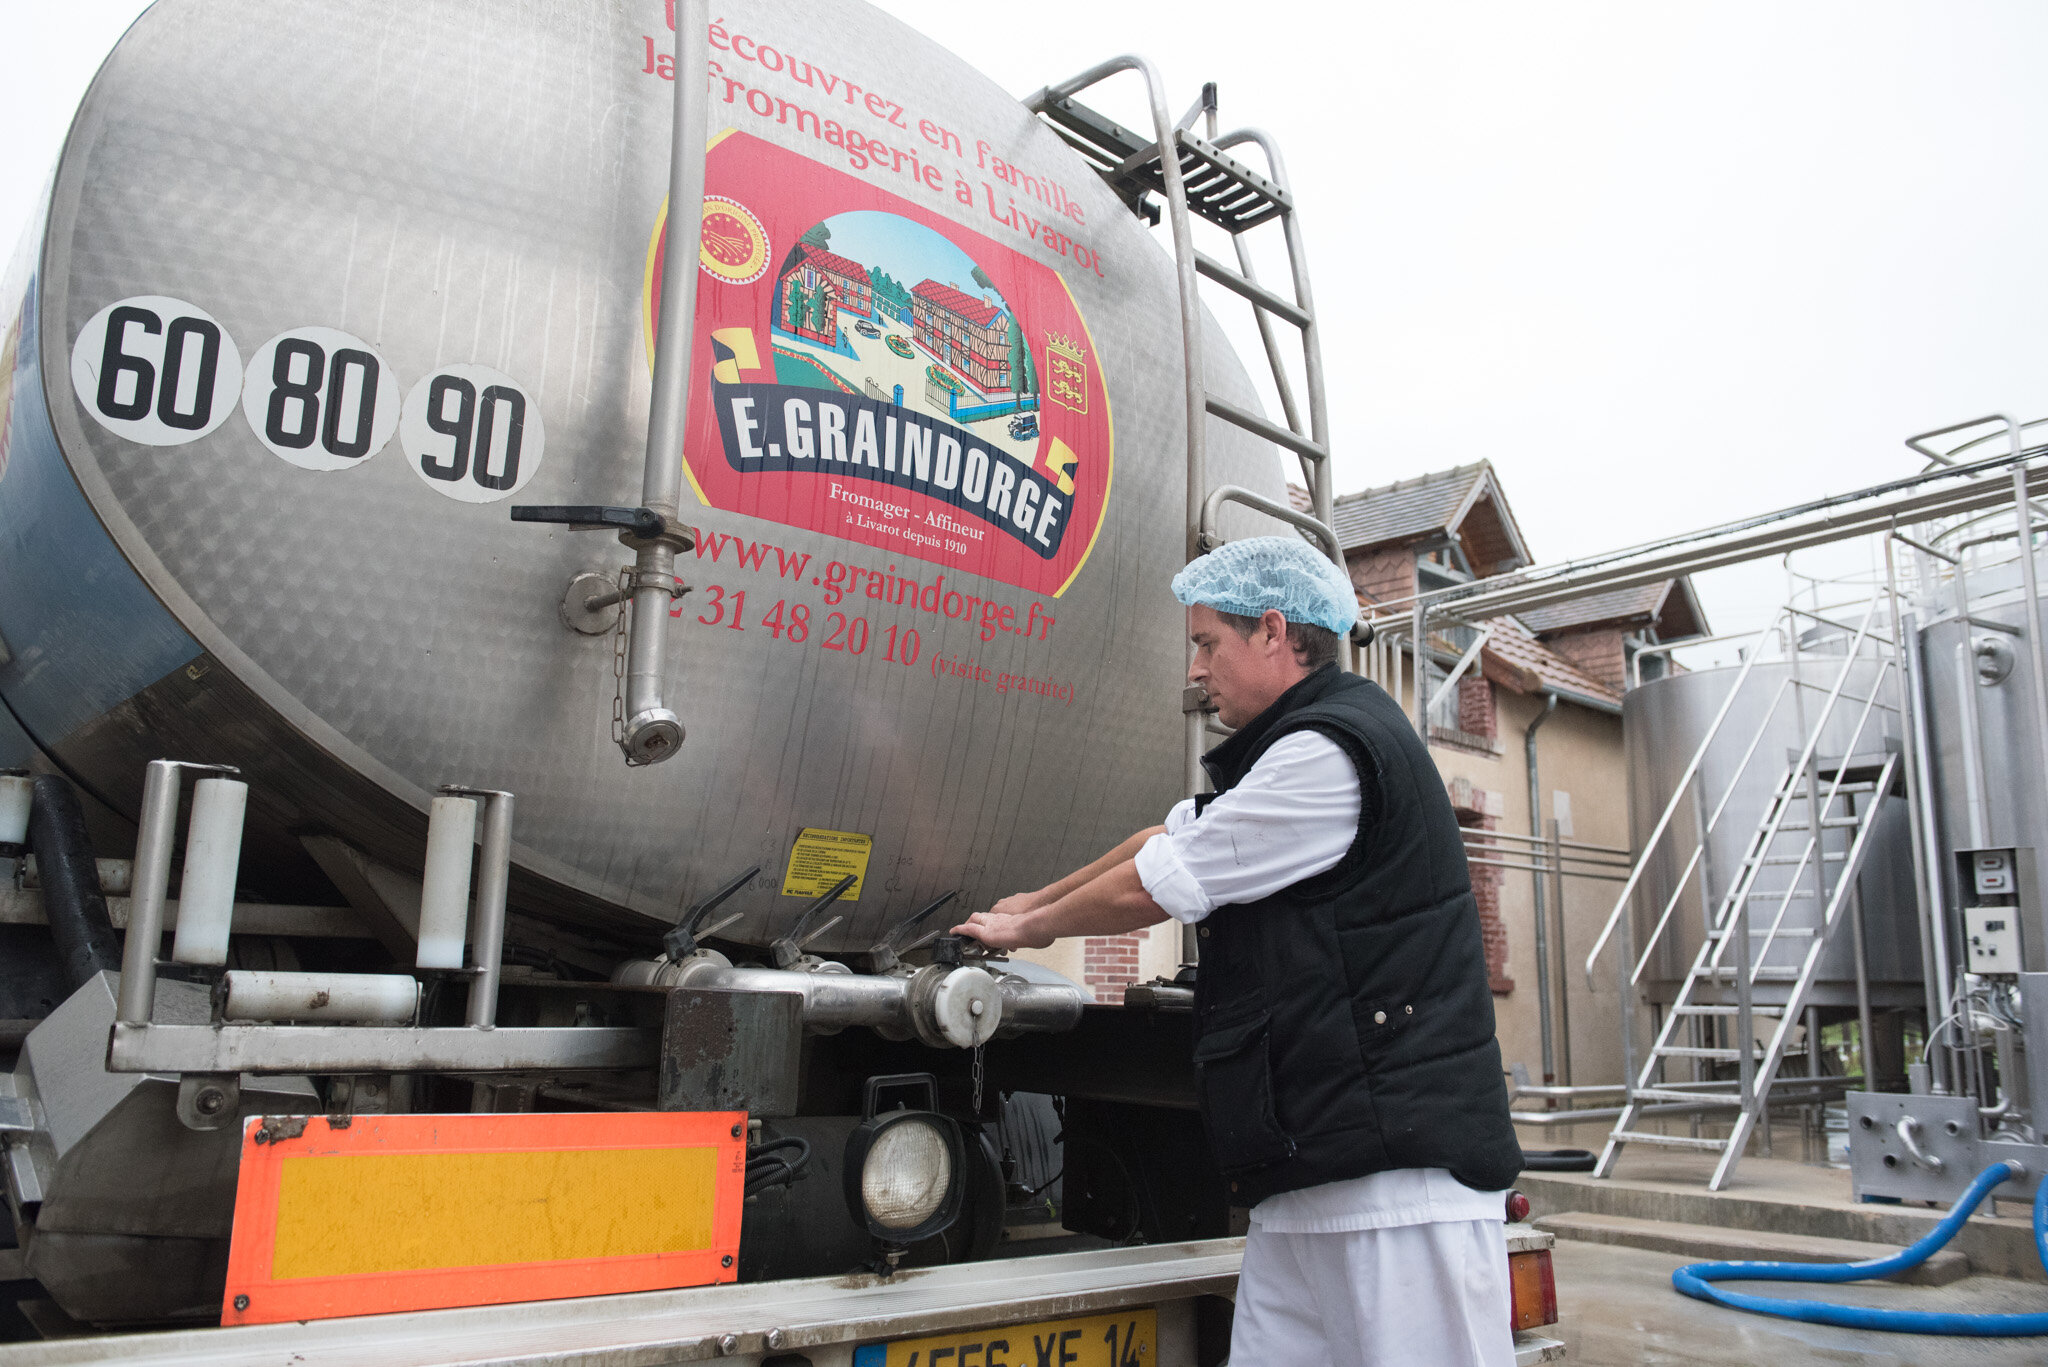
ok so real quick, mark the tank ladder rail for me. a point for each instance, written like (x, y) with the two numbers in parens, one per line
(1812, 796)
(1195, 176)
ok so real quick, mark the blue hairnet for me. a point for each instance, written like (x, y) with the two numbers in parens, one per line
(1278, 573)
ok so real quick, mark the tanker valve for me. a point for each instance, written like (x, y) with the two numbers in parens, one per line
(789, 949)
(641, 524)
(681, 942)
(643, 727)
(954, 1004)
(886, 953)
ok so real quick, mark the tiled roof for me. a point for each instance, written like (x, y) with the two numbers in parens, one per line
(1428, 505)
(1669, 604)
(975, 311)
(830, 261)
(1512, 644)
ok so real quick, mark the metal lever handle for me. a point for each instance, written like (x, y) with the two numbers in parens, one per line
(819, 931)
(891, 940)
(788, 947)
(722, 923)
(683, 939)
(643, 523)
(832, 894)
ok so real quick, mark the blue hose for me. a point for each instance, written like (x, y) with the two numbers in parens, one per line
(1693, 1281)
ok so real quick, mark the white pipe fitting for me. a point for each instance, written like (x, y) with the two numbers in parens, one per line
(444, 884)
(213, 858)
(266, 996)
(15, 790)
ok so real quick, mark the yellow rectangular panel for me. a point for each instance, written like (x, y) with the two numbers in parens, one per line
(820, 858)
(348, 1214)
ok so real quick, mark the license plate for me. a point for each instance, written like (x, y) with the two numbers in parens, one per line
(1129, 1339)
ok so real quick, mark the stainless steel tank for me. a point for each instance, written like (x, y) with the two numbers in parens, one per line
(1988, 786)
(322, 291)
(1663, 723)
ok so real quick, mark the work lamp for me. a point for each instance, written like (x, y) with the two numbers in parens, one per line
(905, 1168)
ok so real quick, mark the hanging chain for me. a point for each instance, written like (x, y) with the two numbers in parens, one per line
(977, 1080)
(619, 666)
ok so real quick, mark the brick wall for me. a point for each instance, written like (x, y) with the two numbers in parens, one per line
(1477, 715)
(1109, 964)
(1382, 575)
(1597, 653)
(1478, 809)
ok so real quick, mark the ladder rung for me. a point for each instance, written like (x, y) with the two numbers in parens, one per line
(1676, 1141)
(1260, 296)
(1258, 426)
(1770, 974)
(1833, 857)
(1731, 1100)
(1832, 823)
(1726, 1010)
(1688, 1051)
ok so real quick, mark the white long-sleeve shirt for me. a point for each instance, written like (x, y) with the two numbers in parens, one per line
(1292, 816)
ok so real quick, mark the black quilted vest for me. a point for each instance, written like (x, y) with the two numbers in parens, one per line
(1344, 1025)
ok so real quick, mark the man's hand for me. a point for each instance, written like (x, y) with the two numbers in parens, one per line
(1017, 903)
(1105, 898)
(1006, 926)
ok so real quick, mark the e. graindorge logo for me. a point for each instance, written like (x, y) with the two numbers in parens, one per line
(873, 371)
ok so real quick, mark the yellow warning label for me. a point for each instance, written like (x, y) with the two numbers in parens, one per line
(821, 858)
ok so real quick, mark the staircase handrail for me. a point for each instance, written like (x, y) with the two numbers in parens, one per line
(1685, 780)
(1815, 819)
(1699, 852)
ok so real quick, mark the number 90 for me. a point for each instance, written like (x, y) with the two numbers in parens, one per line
(472, 433)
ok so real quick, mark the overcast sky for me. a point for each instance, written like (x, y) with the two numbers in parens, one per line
(1663, 265)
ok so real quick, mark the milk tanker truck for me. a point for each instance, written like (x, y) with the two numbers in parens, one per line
(478, 695)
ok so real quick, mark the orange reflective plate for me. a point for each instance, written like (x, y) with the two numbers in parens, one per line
(385, 1213)
(1534, 1288)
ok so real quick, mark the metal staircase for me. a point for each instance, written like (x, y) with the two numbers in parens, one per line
(1792, 890)
(1179, 175)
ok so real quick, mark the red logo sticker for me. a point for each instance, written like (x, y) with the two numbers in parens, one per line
(868, 369)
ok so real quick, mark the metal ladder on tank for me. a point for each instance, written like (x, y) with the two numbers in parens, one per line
(1747, 942)
(1196, 177)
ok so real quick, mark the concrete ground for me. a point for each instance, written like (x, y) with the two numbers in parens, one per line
(1616, 1308)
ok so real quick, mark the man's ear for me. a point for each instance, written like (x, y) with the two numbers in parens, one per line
(1275, 624)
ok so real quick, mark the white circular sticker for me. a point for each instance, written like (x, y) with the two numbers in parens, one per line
(156, 370)
(320, 398)
(472, 433)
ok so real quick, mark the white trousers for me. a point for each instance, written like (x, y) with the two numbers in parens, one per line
(1433, 1295)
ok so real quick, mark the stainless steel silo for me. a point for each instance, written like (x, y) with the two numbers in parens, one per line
(1768, 724)
(1984, 751)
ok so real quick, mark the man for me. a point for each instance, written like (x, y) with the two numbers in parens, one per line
(1348, 1076)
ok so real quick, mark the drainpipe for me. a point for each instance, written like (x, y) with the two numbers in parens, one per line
(1536, 880)
(653, 732)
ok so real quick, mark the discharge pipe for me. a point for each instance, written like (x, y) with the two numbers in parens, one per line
(653, 732)
(1536, 878)
(943, 1005)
